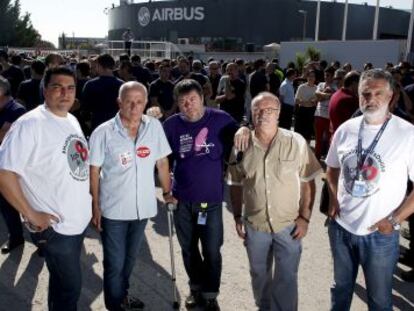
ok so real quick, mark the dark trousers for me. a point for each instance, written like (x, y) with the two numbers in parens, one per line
(285, 118)
(304, 121)
(12, 218)
(62, 255)
(128, 45)
(203, 269)
(121, 240)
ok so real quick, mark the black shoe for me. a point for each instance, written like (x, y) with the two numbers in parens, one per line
(132, 303)
(193, 299)
(11, 245)
(405, 233)
(407, 259)
(408, 276)
(212, 305)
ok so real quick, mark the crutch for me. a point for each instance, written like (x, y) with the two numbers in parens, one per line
(170, 208)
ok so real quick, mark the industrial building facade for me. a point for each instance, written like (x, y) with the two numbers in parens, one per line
(235, 24)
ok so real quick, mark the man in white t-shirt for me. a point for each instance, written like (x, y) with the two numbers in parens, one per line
(369, 162)
(44, 174)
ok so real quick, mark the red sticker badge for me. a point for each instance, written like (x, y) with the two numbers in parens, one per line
(143, 152)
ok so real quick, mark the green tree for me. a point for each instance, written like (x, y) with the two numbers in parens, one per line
(16, 30)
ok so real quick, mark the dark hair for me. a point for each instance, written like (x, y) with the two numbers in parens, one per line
(106, 61)
(368, 66)
(135, 58)
(186, 86)
(5, 86)
(330, 70)
(239, 61)
(323, 63)
(3, 54)
(51, 57)
(163, 66)
(84, 68)
(16, 60)
(150, 66)
(259, 63)
(123, 57)
(126, 65)
(351, 78)
(38, 67)
(290, 73)
(61, 70)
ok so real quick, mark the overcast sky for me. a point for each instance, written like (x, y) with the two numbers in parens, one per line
(86, 18)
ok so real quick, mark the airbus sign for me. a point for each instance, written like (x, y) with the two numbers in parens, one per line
(194, 13)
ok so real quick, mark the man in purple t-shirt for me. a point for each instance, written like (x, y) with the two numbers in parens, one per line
(200, 138)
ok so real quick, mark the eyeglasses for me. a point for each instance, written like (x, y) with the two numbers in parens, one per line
(266, 110)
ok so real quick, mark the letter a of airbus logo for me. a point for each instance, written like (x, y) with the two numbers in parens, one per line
(144, 16)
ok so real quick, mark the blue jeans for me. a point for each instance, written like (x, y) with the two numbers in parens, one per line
(62, 255)
(377, 253)
(121, 240)
(274, 290)
(203, 271)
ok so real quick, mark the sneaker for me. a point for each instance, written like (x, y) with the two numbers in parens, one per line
(193, 299)
(212, 305)
(132, 303)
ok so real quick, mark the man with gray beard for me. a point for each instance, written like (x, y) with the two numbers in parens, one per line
(369, 161)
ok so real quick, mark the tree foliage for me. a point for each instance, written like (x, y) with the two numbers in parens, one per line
(16, 29)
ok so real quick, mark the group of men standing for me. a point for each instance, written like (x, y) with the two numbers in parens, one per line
(59, 184)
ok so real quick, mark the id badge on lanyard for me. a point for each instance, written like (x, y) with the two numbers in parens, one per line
(202, 215)
(360, 186)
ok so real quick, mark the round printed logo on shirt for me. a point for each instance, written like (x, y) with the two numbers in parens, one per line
(77, 155)
(143, 152)
(371, 174)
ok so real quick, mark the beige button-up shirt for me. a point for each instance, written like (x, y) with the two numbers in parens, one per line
(271, 179)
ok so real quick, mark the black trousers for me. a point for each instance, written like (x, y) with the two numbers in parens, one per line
(12, 218)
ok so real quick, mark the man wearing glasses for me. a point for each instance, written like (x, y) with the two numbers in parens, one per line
(275, 178)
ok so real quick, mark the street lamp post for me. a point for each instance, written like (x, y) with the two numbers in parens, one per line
(318, 17)
(376, 19)
(410, 35)
(305, 13)
(345, 22)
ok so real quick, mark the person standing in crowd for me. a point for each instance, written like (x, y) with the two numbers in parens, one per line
(273, 78)
(141, 73)
(28, 92)
(199, 137)
(344, 102)
(367, 175)
(258, 81)
(10, 111)
(128, 38)
(161, 92)
(305, 102)
(232, 101)
(214, 76)
(44, 160)
(99, 95)
(184, 68)
(277, 204)
(12, 73)
(124, 152)
(287, 99)
(323, 94)
(125, 71)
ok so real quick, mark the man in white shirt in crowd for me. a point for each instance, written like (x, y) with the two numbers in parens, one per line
(124, 152)
(44, 174)
(369, 161)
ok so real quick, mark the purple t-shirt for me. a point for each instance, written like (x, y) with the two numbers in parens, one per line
(198, 149)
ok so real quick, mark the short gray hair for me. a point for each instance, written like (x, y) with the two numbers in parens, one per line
(264, 95)
(132, 85)
(5, 86)
(378, 74)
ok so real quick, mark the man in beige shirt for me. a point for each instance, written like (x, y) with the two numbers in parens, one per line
(275, 180)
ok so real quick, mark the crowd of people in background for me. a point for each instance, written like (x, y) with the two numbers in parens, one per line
(313, 101)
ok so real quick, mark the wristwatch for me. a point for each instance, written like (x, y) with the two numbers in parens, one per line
(394, 222)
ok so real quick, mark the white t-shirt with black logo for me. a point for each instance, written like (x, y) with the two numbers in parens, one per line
(384, 174)
(50, 155)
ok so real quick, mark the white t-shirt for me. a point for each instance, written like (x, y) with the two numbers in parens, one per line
(322, 108)
(385, 171)
(50, 155)
(306, 92)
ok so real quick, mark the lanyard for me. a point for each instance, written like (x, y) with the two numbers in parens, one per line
(361, 155)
